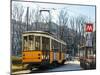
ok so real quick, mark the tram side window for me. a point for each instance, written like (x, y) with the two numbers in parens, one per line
(54, 45)
(25, 43)
(31, 42)
(45, 43)
(37, 42)
(81, 53)
(90, 52)
(59, 46)
(63, 47)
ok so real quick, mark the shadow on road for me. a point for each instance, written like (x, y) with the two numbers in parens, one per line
(68, 66)
(46, 69)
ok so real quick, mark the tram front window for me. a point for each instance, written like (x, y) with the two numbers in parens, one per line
(90, 52)
(28, 42)
(25, 43)
(37, 42)
(82, 52)
(31, 42)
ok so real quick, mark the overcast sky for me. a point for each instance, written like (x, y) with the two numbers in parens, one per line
(73, 10)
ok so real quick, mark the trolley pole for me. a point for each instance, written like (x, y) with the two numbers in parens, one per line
(49, 27)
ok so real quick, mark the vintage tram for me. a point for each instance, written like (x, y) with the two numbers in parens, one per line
(42, 48)
(87, 57)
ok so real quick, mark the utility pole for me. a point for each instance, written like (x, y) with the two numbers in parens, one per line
(27, 16)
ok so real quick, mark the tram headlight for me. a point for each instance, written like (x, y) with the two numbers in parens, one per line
(45, 57)
(94, 56)
(48, 56)
(42, 57)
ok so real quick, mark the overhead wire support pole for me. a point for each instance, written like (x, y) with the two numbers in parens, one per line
(27, 16)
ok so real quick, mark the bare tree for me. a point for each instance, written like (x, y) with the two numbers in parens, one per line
(77, 26)
(17, 16)
(63, 20)
(73, 29)
(72, 23)
(17, 12)
(80, 22)
(37, 13)
(29, 18)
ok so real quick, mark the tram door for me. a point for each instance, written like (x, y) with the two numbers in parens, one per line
(55, 50)
(55, 55)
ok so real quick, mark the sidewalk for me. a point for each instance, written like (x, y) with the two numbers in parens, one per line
(18, 67)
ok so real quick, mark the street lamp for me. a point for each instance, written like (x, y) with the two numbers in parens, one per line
(27, 17)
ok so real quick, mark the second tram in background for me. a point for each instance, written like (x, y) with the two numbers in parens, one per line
(42, 48)
(87, 58)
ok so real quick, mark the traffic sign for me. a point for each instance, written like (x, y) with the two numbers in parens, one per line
(89, 27)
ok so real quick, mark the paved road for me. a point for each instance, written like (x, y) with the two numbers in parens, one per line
(68, 66)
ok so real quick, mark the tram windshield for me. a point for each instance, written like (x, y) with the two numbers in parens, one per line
(28, 42)
(90, 52)
(32, 42)
(41, 42)
(87, 52)
(82, 53)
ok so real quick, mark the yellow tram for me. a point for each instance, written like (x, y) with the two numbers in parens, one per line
(42, 48)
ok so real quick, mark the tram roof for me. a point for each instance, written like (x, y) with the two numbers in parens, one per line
(44, 32)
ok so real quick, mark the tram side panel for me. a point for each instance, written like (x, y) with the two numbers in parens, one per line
(51, 57)
(57, 53)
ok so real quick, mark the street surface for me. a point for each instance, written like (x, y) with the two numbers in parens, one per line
(68, 66)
